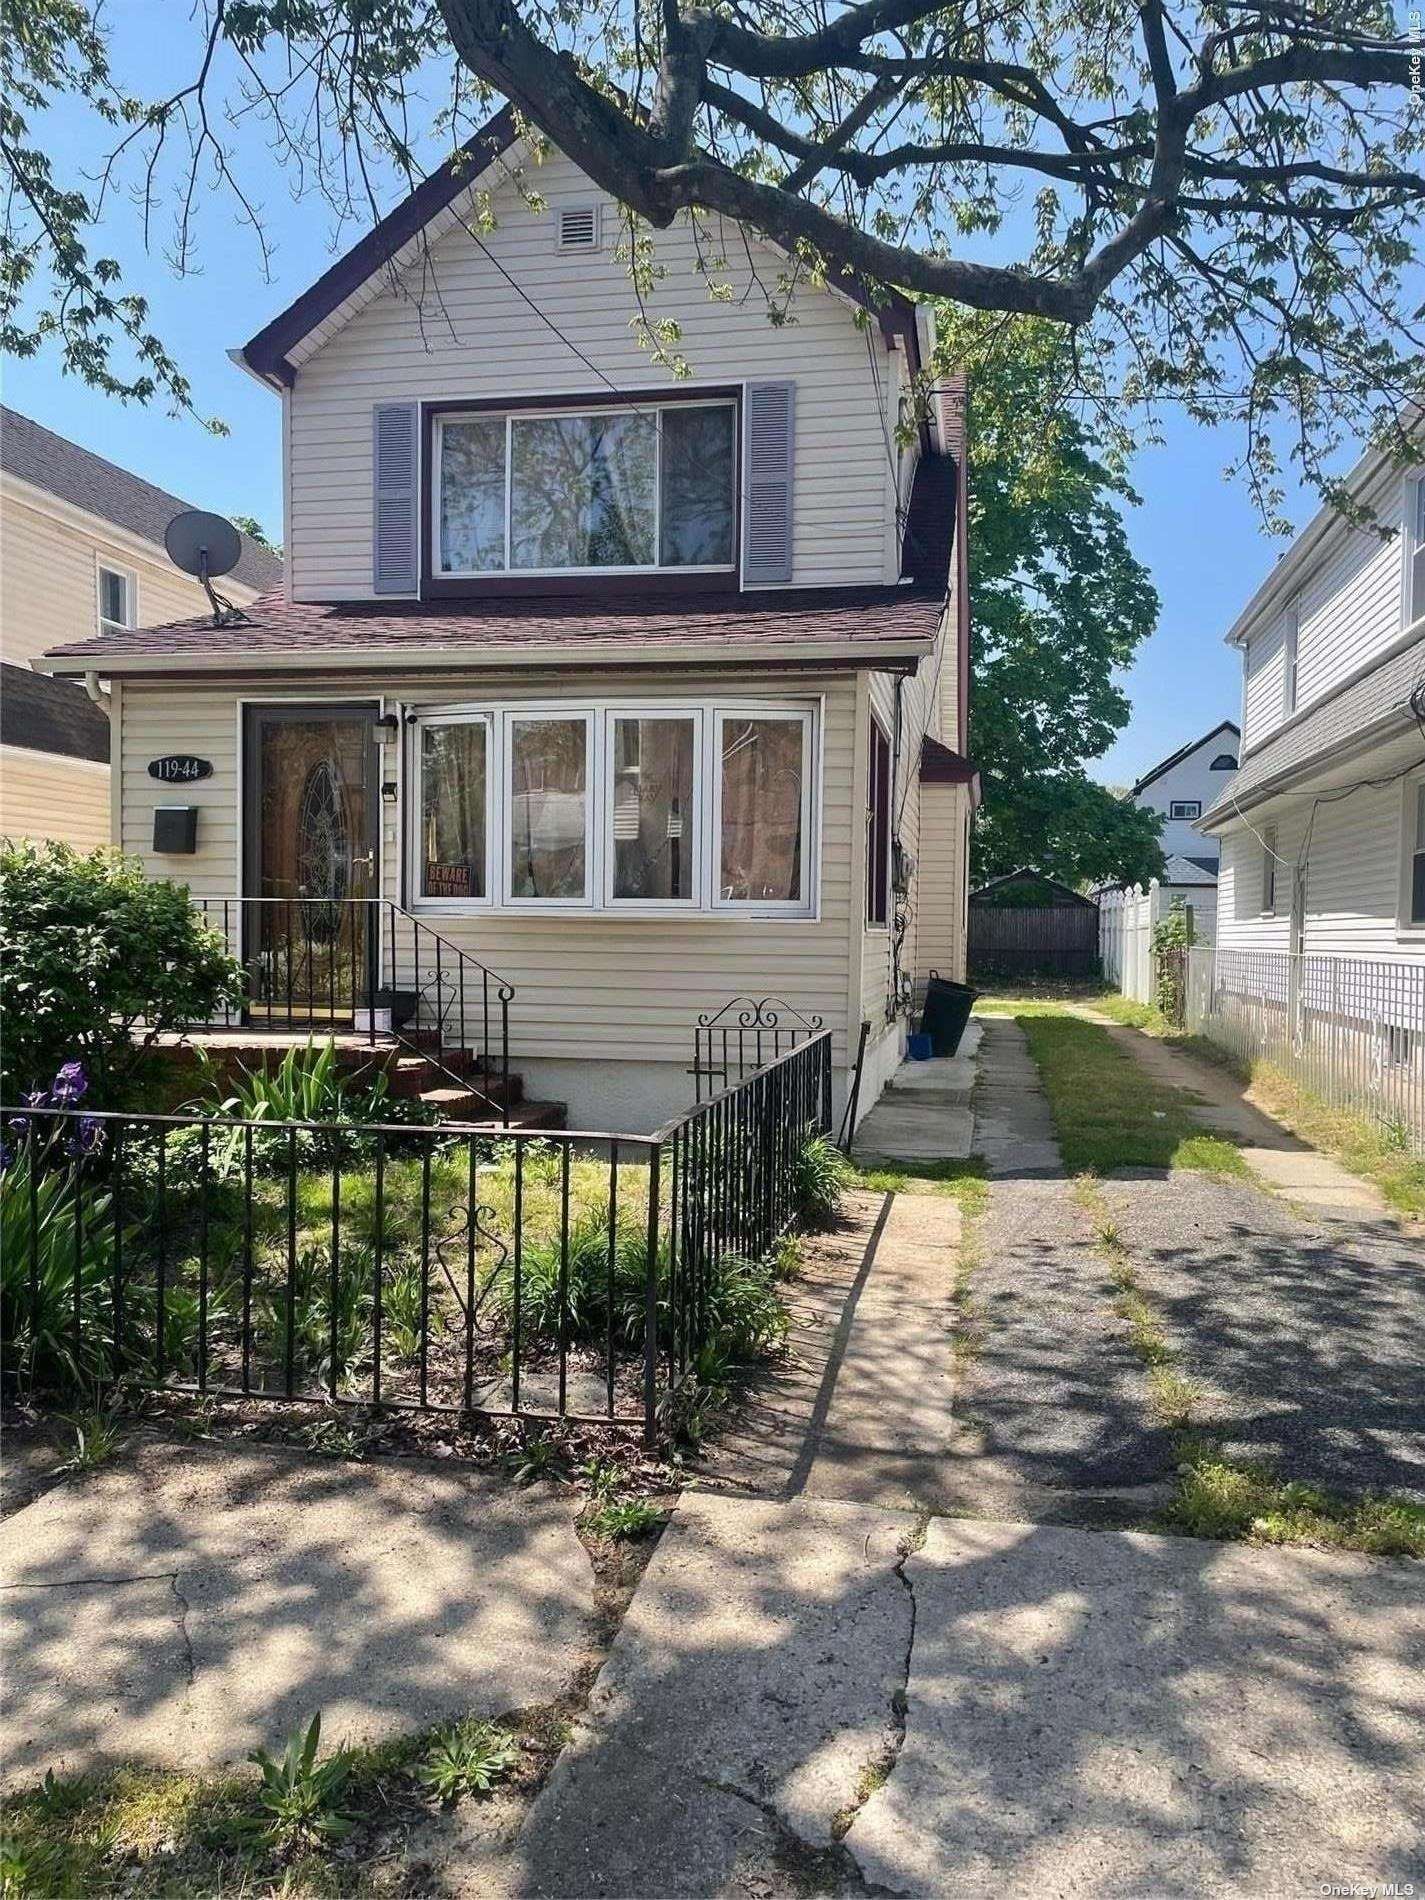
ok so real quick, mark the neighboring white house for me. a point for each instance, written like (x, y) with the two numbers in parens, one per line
(1322, 832)
(81, 552)
(1182, 787)
(1321, 886)
(645, 690)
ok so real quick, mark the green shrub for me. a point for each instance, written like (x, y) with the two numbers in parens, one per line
(55, 1226)
(89, 949)
(822, 1175)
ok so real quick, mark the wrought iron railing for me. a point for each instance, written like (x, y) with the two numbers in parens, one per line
(564, 1275)
(365, 965)
(744, 1035)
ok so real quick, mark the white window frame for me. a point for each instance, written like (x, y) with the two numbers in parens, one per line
(1412, 931)
(1271, 864)
(456, 717)
(706, 826)
(763, 907)
(693, 822)
(511, 416)
(1414, 539)
(1184, 816)
(571, 715)
(1291, 644)
(129, 576)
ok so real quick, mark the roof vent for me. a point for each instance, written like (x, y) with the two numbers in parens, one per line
(579, 228)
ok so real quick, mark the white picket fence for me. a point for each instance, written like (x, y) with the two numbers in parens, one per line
(1125, 930)
(1125, 938)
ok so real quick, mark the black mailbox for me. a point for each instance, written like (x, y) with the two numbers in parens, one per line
(175, 829)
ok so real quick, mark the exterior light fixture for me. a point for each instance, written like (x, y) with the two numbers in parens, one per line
(384, 729)
(388, 792)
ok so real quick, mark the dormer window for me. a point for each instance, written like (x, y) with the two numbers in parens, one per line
(627, 489)
(578, 227)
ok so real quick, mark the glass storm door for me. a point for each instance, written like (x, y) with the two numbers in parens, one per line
(311, 825)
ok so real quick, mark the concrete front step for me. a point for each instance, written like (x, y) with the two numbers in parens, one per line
(900, 1130)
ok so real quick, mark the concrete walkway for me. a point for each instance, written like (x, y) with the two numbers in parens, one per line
(924, 1112)
(193, 1601)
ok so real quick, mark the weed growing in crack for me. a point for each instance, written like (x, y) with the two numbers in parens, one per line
(466, 1758)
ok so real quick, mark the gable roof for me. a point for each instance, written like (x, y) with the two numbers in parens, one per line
(1176, 758)
(48, 715)
(61, 468)
(267, 352)
(1065, 893)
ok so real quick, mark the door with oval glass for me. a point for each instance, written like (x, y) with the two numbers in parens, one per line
(311, 828)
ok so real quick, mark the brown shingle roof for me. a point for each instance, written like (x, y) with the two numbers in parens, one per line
(46, 715)
(753, 625)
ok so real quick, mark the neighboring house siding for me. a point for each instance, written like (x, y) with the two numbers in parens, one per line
(1350, 602)
(48, 591)
(45, 796)
(1352, 879)
(1190, 778)
(598, 989)
(473, 335)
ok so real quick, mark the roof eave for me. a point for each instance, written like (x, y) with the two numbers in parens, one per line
(868, 654)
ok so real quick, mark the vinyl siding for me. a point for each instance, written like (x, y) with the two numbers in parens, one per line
(590, 988)
(1353, 879)
(940, 882)
(45, 797)
(1351, 604)
(48, 586)
(473, 334)
(1191, 777)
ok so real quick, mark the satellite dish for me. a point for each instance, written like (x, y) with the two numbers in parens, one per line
(202, 544)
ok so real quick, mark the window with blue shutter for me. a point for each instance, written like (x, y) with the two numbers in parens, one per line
(395, 566)
(767, 483)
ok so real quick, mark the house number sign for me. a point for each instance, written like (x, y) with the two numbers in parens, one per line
(179, 768)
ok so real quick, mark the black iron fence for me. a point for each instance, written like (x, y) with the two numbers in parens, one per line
(364, 965)
(745, 1034)
(572, 1275)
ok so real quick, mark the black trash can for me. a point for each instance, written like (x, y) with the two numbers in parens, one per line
(947, 1010)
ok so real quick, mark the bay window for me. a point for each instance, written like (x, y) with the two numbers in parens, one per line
(763, 786)
(652, 819)
(636, 809)
(637, 487)
(454, 809)
(548, 808)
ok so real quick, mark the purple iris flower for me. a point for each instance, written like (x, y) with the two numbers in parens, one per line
(88, 1135)
(70, 1084)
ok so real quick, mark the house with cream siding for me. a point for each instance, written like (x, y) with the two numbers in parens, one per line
(81, 554)
(609, 682)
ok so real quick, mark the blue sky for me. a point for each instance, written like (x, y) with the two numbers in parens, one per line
(1196, 531)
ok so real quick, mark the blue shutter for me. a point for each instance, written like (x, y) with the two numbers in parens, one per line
(396, 488)
(767, 457)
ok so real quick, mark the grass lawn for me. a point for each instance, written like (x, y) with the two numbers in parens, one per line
(1107, 1113)
(963, 1181)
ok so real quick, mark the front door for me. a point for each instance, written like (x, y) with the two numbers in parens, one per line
(311, 832)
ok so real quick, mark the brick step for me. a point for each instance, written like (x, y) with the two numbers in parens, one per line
(463, 1105)
(410, 1076)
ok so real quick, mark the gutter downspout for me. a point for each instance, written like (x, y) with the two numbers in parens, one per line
(101, 699)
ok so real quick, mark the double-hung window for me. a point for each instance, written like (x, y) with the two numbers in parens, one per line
(1269, 870)
(878, 828)
(118, 599)
(629, 489)
(1413, 907)
(638, 808)
(1415, 550)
